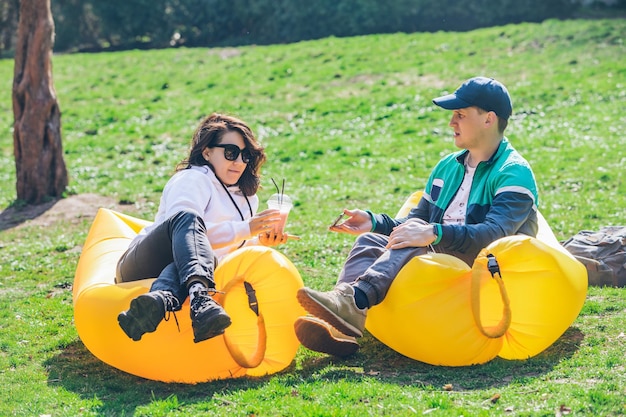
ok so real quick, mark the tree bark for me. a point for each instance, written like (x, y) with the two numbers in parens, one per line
(40, 169)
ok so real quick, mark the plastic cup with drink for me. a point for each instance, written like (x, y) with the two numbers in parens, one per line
(282, 203)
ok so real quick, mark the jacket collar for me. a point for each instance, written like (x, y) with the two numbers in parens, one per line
(234, 189)
(462, 155)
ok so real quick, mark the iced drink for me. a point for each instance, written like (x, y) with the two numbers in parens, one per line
(283, 203)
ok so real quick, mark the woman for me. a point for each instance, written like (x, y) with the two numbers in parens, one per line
(207, 210)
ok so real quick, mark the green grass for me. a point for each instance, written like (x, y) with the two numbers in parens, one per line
(348, 123)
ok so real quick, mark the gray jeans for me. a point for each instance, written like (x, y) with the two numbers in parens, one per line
(372, 268)
(176, 252)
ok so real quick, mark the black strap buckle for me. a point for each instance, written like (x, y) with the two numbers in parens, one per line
(252, 300)
(492, 266)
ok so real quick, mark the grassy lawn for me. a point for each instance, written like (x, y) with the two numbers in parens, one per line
(347, 122)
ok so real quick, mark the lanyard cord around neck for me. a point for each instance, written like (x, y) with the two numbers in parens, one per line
(236, 206)
(234, 203)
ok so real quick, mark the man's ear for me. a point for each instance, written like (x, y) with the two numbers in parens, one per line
(491, 119)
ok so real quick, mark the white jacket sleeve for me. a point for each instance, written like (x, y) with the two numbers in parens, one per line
(198, 190)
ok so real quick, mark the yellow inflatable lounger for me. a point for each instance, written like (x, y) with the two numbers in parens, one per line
(254, 345)
(442, 312)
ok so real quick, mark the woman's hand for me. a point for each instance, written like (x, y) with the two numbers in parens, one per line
(264, 221)
(358, 222)
(412, 233)
(273, 239)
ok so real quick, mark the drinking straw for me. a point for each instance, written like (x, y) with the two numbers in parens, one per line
(282, 193)
(279, 192)
(276, 185)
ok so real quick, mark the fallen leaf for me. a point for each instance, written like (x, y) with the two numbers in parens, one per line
(563, 410)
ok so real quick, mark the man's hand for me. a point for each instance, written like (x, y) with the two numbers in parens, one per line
(358, 222)
(412, 233)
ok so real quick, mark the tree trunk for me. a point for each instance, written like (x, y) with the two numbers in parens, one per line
(40, 168)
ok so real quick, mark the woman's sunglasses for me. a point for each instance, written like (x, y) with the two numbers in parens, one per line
(231, 153)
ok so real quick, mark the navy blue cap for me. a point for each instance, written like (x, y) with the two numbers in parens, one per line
(483, 92)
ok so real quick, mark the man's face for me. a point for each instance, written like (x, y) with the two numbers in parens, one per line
(469, 126)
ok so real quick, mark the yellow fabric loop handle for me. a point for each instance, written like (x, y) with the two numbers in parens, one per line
(233, 348)
(500, 329)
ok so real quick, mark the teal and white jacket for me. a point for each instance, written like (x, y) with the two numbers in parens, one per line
(502, 202)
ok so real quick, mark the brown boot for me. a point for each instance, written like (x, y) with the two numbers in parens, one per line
(317, 335)
(336, 307)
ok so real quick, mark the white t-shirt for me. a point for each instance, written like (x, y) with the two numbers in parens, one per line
(455, 213)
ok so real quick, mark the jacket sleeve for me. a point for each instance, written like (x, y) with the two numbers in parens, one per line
(385, 223)
(193, 191)
(508, 207)
(229, 232)
(508, 213)
(188, 190)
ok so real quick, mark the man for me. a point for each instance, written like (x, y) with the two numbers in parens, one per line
(473, 197)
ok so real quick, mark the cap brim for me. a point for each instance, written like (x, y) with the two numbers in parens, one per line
(451, 102)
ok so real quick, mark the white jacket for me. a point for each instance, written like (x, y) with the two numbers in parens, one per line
(198, 190)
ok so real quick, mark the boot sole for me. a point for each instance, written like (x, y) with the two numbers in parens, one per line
(212, 325)
(135, 322)
(318, 310)
(316, 335)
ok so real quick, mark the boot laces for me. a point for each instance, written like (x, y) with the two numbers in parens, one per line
(203, 298)
(172, 305)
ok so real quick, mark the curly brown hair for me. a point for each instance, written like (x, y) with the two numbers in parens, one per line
(210, 132)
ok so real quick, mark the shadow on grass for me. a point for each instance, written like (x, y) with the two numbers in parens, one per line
(77, 370)
(18, 213)
(374, 359)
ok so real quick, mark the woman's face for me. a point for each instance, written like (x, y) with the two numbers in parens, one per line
(227, 171)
